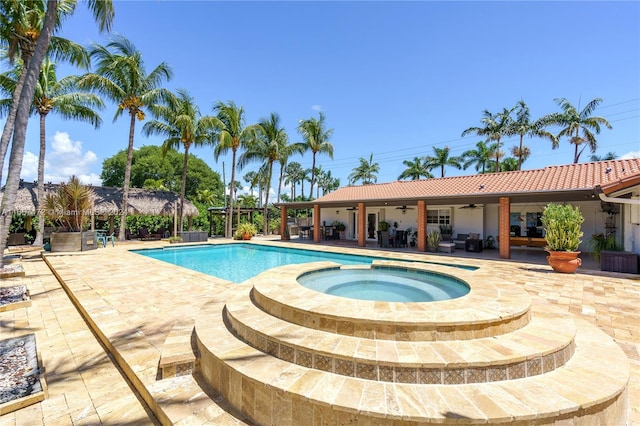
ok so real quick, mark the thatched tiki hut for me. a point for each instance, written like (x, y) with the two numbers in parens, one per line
(108, 202)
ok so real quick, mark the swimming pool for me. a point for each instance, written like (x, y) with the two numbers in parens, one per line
(239, 262)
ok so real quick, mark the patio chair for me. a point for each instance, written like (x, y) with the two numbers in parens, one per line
(111, 238)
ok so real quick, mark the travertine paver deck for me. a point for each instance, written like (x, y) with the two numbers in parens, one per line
(136, 301)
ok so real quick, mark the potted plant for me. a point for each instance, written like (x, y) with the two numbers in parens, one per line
(563, 232)
(413, 236)
(175, 240)
(70, 207)
(446, 232)
(433, 239)
(246, 230)
(340, 227)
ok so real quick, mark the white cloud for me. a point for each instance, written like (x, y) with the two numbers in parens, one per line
(629, 155)
(317, 107)
(64, 158)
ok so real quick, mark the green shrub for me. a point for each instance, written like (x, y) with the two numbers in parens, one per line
(563, 227)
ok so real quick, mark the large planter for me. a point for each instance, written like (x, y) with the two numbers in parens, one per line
(247, 236)
(564, 261)
(73, 241)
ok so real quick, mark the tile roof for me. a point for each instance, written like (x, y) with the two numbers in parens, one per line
(552, 179)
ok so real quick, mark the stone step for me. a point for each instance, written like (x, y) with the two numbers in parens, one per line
(542, 345)
(269, 390)
(489, 310)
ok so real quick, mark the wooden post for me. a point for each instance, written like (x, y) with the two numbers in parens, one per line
(284, 226)
(422, 226)
(504, 228)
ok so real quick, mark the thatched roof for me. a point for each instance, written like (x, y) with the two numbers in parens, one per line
(108, 200)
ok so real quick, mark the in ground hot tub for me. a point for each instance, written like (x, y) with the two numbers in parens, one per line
(385, 284)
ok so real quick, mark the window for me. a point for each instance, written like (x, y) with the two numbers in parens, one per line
(439, 217)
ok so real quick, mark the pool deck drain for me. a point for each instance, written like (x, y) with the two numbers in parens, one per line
(610, 300)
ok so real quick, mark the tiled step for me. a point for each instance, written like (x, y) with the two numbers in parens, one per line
(542, 345)
(273, 391)
(492, 309)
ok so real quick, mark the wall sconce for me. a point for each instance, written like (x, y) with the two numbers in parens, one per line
(337, 211)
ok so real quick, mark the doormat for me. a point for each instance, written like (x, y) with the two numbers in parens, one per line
(21, 374)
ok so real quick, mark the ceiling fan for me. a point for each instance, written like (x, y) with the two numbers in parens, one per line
(352, 208)
(470, 206)
(404, 209)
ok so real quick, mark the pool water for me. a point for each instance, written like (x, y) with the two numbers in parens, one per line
(385, 284)
(239, 262)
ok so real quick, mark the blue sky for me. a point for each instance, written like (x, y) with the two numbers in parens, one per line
(394, 79)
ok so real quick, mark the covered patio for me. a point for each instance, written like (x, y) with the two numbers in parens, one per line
(504, 206)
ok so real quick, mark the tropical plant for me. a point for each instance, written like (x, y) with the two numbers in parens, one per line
(563, 226)
(366, 172)
(246, 228)
(446, 229)
(523, 126)
(495, 127)
(608, 156)
(121, 77)
(433, 240)
(383, 225)
(270, 140)
(316, 139)
(12, 17)
(415, 170)
(292, 175)
(600, 242)
(60, 97)
(70, 206)
(579, 127)
(480, 156)
(179, 119)
(232, 135)
(442, 159)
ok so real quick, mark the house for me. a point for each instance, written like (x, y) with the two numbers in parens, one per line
(506, 206)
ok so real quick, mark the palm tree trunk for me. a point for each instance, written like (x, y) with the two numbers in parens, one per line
(231, 188)
(520, 153)
(127, 179)
(313, 175)
(21, 121)
(183, 186)
(280, 179)
(11, 119)
(265, 228)
(40, 190)
(498, 155)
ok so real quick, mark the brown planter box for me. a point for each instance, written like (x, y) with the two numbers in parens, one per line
(619, 261)
(73, 241)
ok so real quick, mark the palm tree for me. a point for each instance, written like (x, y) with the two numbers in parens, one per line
(232, 135)
(608, 156)
(293, 173)
(56, 96)
(415, 170)
(316, 138)
(442, 159)
(121, 77)
(206, 197)
(479, 156)
(304, 177)
(495, 127)
(20, 27)
(252, 179)
(522, 126)
(11, 15)
(179, 119)
(366, 171)
(271, 138)
(327, 182)
(579, 127)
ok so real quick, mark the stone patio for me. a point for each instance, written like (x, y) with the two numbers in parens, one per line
(137, 305)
